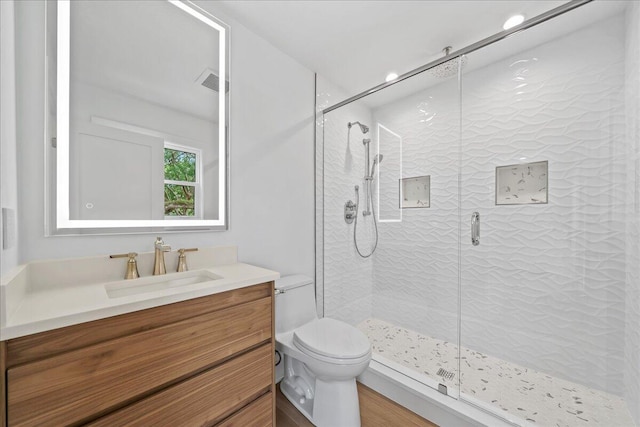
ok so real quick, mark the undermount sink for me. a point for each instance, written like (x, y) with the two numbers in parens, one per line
(144, 285)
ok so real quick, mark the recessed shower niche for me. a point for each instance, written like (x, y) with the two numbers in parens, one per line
(522, 184)
(416, 192)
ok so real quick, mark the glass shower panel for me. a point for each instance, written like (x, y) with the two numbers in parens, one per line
(542, 163)
(404, 296)
(347, 277)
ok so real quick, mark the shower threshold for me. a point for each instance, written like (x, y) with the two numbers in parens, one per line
(491, 383)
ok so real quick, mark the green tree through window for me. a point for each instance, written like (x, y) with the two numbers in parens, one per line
(179, 182)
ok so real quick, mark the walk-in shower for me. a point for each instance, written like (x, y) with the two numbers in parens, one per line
(537, 135)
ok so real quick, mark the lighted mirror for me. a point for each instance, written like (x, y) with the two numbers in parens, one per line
(138, 115)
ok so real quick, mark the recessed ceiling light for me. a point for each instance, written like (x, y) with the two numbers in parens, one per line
(513, 21)
(391, 76)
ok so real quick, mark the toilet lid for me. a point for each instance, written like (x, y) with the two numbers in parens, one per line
(331, 338)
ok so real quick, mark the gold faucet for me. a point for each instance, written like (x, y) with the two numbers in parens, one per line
(158, 263)
(182, 259)
(132, 266)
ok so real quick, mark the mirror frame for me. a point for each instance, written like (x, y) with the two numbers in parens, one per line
(63, 223)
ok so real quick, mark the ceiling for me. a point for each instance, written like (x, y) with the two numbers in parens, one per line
(355, 44)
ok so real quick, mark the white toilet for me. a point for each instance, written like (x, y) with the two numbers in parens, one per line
(321, 357)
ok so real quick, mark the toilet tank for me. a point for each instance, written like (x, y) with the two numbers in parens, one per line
(295, 302)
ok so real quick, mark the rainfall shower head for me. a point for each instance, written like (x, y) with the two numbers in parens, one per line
(449, 68)
(363, 128)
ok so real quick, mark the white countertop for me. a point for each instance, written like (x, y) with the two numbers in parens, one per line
(37, 307)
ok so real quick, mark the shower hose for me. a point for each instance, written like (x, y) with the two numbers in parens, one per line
(375, 224)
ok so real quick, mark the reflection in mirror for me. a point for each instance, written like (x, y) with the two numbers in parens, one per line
(138, 105)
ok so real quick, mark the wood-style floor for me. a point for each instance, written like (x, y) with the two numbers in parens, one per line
(375, 411)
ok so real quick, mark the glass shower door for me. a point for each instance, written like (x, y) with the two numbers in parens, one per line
(415, 270)
(404, 295)
(542, 161)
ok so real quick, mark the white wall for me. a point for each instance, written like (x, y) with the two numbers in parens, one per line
(271, 149)
(632, 318)
(8, 172)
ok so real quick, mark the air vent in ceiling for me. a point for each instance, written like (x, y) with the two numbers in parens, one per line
(210, 80)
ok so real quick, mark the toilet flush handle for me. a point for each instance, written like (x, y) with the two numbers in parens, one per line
(280, 291)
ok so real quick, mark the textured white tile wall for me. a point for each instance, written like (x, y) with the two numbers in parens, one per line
(347, 278)
(546, 287)
(326, 95)
(389, 172)
(548, 280)
(632, 327)
(416, 266)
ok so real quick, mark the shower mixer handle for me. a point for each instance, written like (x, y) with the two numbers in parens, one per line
(350, 211)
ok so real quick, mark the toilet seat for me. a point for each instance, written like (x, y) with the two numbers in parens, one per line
(332, 339)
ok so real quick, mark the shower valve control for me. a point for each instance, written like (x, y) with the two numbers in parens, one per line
(350, 211)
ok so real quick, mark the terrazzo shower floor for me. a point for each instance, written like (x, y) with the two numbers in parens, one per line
(538, 398)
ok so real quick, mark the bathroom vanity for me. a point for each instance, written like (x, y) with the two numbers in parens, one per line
(190, 354)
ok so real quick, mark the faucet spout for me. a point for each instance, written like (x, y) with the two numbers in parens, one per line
(158, 262)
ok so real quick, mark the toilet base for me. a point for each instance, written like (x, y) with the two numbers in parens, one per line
(324, 403)
(337, 404)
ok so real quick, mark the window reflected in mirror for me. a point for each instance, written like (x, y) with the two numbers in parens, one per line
(181, 183)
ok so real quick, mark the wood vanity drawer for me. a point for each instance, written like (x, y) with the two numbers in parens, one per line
(258, 413)
(80, 385)
(50, 343)
(206, 398)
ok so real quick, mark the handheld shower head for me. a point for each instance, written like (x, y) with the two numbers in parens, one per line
(363, 128)
(376, 160)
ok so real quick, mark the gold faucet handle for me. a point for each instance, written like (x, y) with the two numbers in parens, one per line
(183, 250)
(182, 259)
(132, 265)
(130, 255)
(161, 246)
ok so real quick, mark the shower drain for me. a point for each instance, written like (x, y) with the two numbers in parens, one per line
(445, 374)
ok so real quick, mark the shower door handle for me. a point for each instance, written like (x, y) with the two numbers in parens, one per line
(475, 229)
